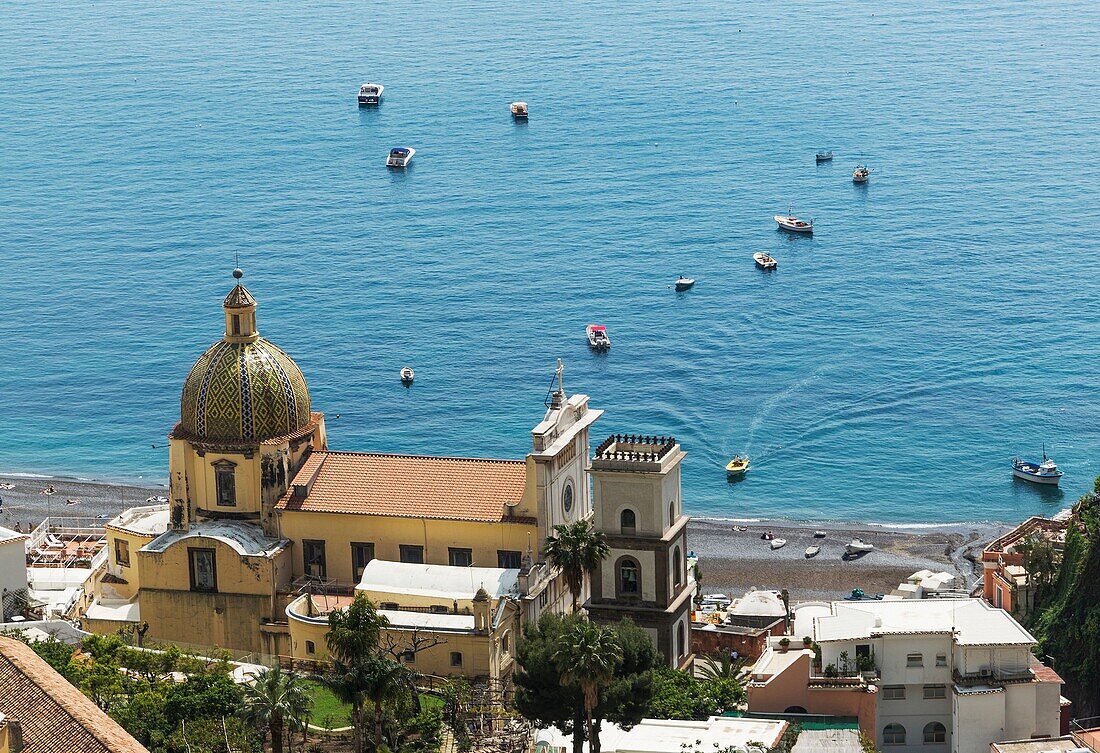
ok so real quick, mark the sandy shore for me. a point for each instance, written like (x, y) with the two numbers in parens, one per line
(733, 561)
(26, 504)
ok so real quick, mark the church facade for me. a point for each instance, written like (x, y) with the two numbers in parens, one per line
(266, 524)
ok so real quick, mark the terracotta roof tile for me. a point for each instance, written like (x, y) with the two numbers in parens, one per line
(407, 486)
(54, 716)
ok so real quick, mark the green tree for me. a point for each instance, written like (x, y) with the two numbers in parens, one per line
(678, 695)
(353, 637)
(587, 657)
(273, 700)
(577, 549)
(721, 667)
(214, 735)
(205, 696)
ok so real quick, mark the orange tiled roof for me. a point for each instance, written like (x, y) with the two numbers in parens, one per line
(415, 486)
(54, 716)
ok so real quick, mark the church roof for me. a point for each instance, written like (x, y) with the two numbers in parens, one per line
(54, 717)
(239, 298)
(414, 486)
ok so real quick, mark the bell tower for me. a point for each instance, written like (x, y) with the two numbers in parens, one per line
(637, 503)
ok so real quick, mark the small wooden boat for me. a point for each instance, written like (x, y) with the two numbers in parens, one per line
(1045, 472)
(519, 110)
(597, 337)
(778, 544)
(407, 375)
(824, 156)
(738, 466)
(684, 283)
(811, 551)
(400, 156)
(819, 534)
(764, 261)
(858, 546)
(792, 224)
(861, 174)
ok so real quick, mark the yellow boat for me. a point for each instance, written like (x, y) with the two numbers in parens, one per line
(738, 465)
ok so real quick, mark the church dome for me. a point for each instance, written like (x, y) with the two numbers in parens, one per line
(243, 388)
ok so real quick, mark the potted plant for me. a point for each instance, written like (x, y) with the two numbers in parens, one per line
(784, 644)
(807, 641)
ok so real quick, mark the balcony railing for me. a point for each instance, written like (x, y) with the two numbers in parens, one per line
(992, 676)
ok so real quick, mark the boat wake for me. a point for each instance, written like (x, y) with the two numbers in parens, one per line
(770, 404)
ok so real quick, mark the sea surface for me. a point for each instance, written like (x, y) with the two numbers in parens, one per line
(942, 318)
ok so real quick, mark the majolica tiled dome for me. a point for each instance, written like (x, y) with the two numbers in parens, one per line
(243, 388)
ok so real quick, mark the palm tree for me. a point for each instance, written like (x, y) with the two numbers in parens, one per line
(577, 550)
(389, 681)
(273, 699)
(353, 643)
(587, 656)
(725, 667)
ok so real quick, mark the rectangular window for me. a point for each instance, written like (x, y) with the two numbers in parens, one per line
(893, 692)
(409, 657)
(863, 649)
(204, 570)
(544, 598)
(914, 660)
(236, 324)
(941, 660)
(412, 554)
(311, 647)
(508, 560)
(313, 555)
(932, 692)
(122, 552)
(456, 658)
(361, 554)
(226, 483)
(460, 557)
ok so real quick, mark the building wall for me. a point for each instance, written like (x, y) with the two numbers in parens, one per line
(13, 568)
(338, 531)
(979, 718)
(128, 571)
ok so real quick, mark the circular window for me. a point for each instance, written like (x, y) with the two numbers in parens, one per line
(567, 498)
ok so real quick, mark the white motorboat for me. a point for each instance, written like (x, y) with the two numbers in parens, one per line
(597, 337)
(407, 375)
(858, 546)
(684, 283)
(791, 223)
(370, 94)
(861, 174)
(778, 543)
(824, 156)
(764, 261)
(819, 534)
(1045, 472)
(400, 156)
(811, 551)
(519, 110)
(157, 499)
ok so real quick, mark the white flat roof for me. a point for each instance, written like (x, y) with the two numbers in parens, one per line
(149, 520)
(127, 611)
(438, 581)
(455, 622)
(671, 735)
(974, 621)
(6, 534)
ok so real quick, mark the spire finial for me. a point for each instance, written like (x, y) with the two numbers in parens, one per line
(238, 273)
(559, 372)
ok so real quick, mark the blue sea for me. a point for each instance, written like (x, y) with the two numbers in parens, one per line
(941, 319)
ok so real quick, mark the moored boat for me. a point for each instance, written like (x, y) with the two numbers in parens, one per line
(778, 543)
(597, 337)
(824, 156)
(400, 156)
(811, 551)
(519, 110)
(861, 174)
(407, 375)
(738, 466)
(858, 546)
(370, 94)
(684, 283)
(764, 261)
(819, 534)
(1045, 472)
(791, 223)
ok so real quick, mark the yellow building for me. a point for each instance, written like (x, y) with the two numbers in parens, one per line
(261, 512)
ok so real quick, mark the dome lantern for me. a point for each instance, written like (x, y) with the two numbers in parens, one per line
(240, 313)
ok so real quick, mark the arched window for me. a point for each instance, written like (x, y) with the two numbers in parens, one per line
(628, 522)
(934, 733)
(893, 734)
(629, 580)
(672, 512)
(794, 710)
(677, 568)
(679, 642)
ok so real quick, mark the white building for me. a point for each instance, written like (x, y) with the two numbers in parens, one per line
(13, 572)
(930, 675)
(673, 736)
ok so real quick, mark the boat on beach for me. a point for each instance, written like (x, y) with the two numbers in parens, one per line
(684, 283)
(792, 224)
(857, 547)
(811, 551)
(778, 544)
(764, 261)
(823, 156)
(819, 534)
(1046, 472)
(738, 466)
(597, 337)
(400, 156)
(370, 94)
(519, 110)
(861, 174)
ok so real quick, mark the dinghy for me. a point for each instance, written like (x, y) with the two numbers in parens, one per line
(811, 551)
(858, 546)
(778, 543)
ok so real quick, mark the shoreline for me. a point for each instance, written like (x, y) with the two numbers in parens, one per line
(27, 504)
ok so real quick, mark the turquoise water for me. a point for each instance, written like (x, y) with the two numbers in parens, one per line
(940, 320)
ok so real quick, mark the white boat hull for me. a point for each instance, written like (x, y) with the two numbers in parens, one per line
(1036, 479)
